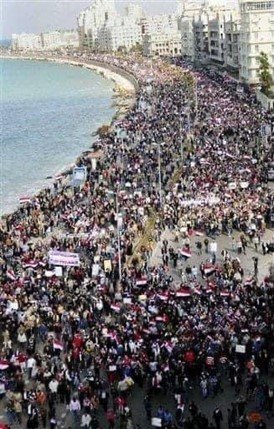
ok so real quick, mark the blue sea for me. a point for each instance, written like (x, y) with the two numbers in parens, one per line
(48, 113)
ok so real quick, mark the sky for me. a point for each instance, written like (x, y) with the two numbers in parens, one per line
(34, 16)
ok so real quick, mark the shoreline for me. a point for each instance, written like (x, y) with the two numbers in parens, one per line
(106, 73)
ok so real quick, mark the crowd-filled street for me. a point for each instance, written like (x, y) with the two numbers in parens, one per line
(144, 296)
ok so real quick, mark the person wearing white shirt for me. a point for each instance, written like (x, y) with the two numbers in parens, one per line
(53, 387)
(75, 408)
(2, 389)
(31, 363)
(85, 421)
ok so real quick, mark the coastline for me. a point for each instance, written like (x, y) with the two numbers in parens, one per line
(106, 72)
(121, 82)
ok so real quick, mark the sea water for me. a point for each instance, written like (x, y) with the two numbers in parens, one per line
(48, 114)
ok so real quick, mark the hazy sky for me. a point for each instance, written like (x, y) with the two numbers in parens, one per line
(42, 15)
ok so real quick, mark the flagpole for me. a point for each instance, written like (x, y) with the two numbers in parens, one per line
(118, 238)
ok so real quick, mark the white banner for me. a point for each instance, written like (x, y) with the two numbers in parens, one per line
(93, 164)
(79, 175)
(66, 259)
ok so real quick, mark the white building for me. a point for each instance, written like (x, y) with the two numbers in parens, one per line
(232, 44)
(60, 39)
(123, 33)
(203, 26)
(45, 41)
(26, 42)
(190, 14)
(163, 44)
(161, 35)
(91, 20)
(159, 24)
(256, 35)
(102, 29)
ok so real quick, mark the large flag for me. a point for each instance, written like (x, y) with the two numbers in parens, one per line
(209, 269)
(142, 281)
(4, 364)
(182, 294)
(58, 345)
(185, 252)
(24, 200)
(115, 307)
(11, 274)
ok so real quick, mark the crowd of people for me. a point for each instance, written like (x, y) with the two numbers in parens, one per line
(85, 338)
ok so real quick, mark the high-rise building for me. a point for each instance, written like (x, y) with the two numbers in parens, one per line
(256, 36)
(92, 19)
(232, 43)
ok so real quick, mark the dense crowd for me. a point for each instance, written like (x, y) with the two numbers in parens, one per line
(85, 337)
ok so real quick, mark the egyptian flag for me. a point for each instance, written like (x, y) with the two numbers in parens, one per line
(209, 269)
(184, 293)
(142, 281)
(24, 200)
(116, 308)
(163, 296)
(58, 345)
(31, 264)
(211, 285)
(186, 252)
(11, 275)
(4, 364)
(159, 319)
(248, 281)
(224, 294)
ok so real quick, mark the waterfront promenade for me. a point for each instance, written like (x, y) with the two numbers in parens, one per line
(150, 320)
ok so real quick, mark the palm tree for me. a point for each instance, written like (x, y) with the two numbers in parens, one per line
(264, 73)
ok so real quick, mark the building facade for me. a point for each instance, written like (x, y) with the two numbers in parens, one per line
(45, 41)
(161, 35)
(26, 42)
(166, 44)
(120, 35)
(256, 36)
(60, 39)
(232, 44)
(91, 20)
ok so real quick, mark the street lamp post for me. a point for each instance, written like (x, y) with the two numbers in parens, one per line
(118, 218)
(118, 225)
(159, 171)
(196, 95)
(160, 174)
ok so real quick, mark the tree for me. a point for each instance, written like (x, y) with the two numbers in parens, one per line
(264, 73)
(103, 131)
(137, 48)
(122, 49)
